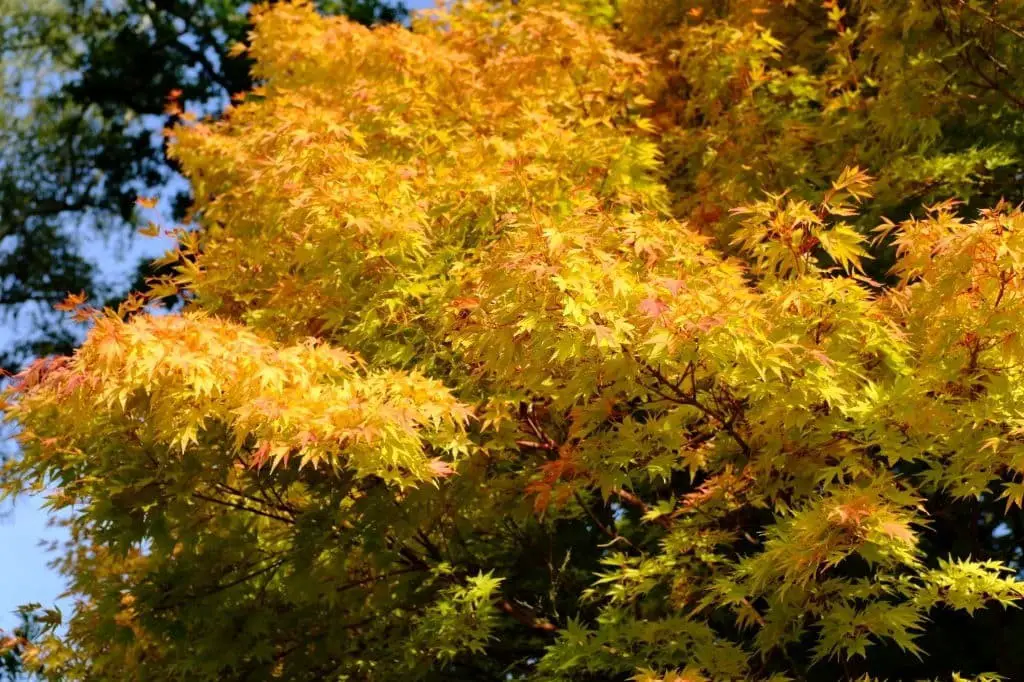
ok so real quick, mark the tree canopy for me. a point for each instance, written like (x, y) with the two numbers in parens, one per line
(565, 340)
(83, 96)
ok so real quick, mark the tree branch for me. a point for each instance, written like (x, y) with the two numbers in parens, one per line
(527, 617)
(242, 507)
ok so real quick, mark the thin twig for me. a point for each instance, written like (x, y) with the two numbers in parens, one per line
(601, 526)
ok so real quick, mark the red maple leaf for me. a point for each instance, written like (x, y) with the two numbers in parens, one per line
(653, 307)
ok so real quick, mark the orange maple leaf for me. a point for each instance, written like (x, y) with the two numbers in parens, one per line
(440, 468)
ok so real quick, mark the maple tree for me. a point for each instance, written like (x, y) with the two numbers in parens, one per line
(83, 86)
(549, 341)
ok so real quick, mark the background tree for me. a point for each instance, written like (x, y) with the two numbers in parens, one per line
(83, 99)
(13, 644)
(498, 363)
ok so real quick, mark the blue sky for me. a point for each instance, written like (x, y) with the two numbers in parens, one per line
(26, 577)
(25, 532)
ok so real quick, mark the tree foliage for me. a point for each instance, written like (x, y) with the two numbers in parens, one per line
(566, 340)
(83, 95)
(14, 644)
